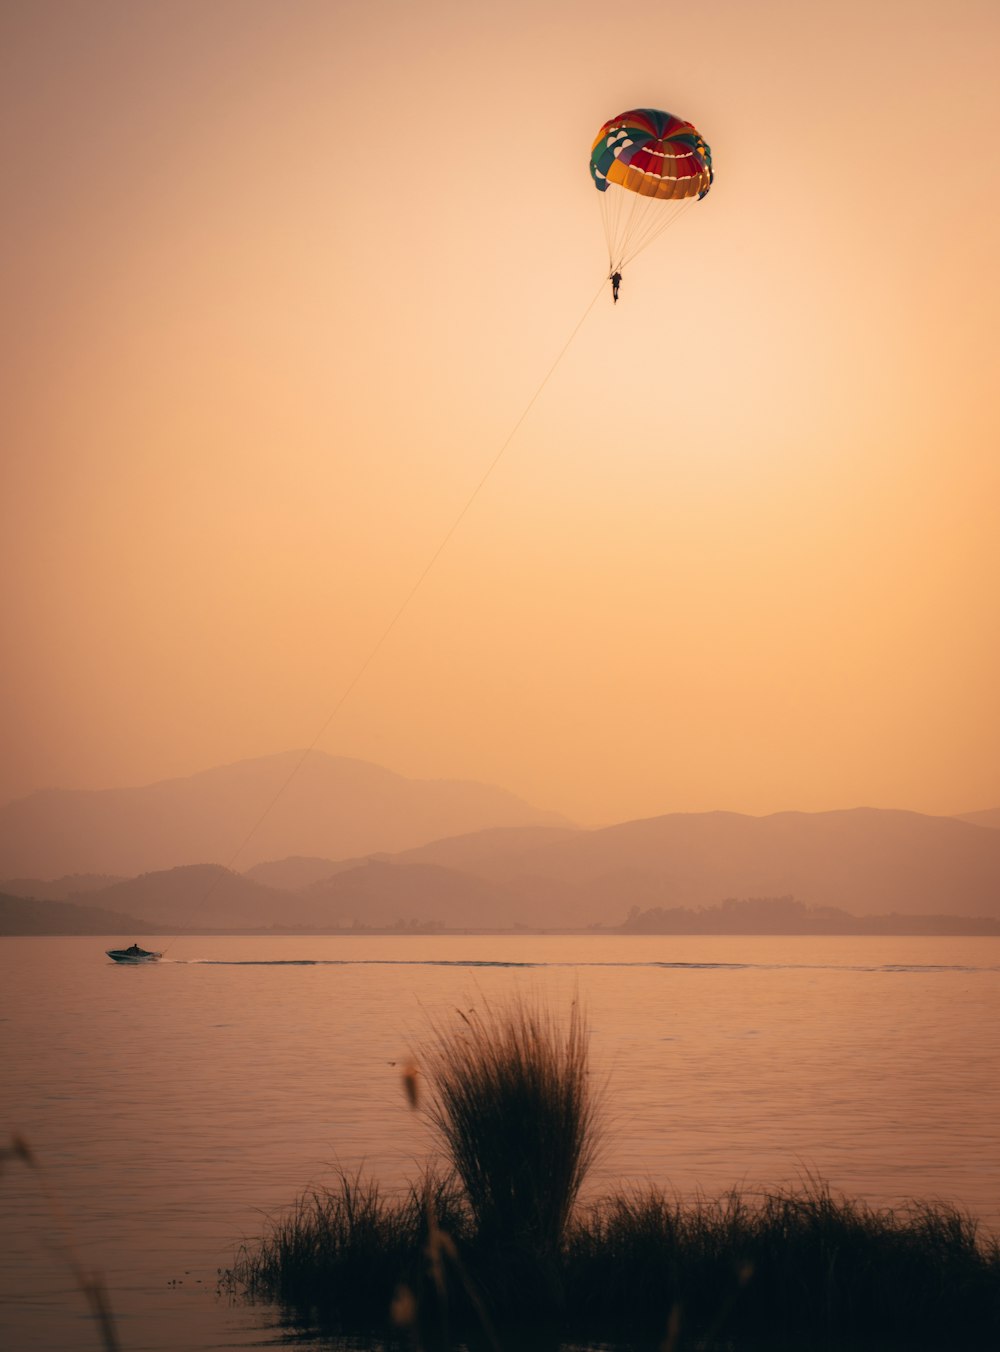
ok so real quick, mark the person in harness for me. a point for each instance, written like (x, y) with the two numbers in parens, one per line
(616, 281)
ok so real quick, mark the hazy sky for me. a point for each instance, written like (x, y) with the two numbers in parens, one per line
(278, 279)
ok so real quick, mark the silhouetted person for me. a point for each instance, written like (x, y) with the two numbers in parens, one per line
(616, 281)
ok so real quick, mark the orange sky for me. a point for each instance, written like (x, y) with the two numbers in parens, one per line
(280, 277)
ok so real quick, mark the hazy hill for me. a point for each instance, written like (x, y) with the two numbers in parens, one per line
(372, 892)
(59, 889)
(480, 849)
(990, 817)
(334, 807)
(296, 872)
(454, 852)
(381, 892)
(199, 896)
(25, 915)
(864, 860)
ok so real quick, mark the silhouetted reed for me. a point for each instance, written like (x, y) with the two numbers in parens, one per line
(343, 1251)
(90, 1283)
(511, 1102)
(803, 1262)
(503, 1248)
(803, 1266)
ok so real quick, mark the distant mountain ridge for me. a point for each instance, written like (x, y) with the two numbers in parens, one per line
(24, 915)
(865, 861)
(68, 888)
(990, 817)
(197, 896)
(326, 806)
(299, 871)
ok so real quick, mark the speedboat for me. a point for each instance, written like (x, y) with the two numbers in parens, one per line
(133, 954)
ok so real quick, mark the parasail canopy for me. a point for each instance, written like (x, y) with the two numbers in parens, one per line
(646, 164)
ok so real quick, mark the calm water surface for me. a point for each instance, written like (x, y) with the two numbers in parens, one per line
(175, 1106)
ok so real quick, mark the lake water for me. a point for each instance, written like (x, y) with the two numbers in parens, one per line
(174, 1106)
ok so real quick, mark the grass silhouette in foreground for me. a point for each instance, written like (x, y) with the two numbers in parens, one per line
(501, 1246)
(90, 1282)
(512, 1104)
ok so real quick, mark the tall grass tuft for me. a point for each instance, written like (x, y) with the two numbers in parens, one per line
(803, 1263)
(505, 1254)
(512, 1101)
(342, 1251)
(804, 1269)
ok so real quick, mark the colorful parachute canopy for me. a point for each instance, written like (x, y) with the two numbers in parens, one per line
(646, 158)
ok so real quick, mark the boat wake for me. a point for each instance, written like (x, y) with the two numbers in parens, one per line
(893, 968)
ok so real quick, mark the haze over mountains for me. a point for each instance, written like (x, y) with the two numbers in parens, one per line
(332, 806)
(991, 817)
(25, 915)
(534, 871)
(865, 861)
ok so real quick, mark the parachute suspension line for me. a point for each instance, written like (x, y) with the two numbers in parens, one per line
(631, 226)
(627, 205)
(618, 233)
(380, 642)
(652, 227)
(639, 208)
(610, 212)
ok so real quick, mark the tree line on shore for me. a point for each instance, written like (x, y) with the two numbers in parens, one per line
(786, 915)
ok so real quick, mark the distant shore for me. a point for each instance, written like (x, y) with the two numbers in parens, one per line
(874, 927)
